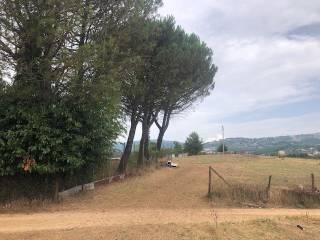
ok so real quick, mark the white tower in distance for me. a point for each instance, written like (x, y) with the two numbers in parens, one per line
(222, 139)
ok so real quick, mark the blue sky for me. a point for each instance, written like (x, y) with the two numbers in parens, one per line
(268, 55)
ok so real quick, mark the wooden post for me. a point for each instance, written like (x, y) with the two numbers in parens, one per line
(209, 185)
(269, 187)
(312, 183)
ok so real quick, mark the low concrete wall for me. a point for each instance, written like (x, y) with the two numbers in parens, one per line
(91, 186)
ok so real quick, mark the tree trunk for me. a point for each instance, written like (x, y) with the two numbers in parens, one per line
(146, 146)
(144, 136)
(148, 119)
(140, 161)
(160, 138)
(163, 128)
(122, 168)
(44, 77)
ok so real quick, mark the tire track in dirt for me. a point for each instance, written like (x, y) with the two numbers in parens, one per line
(15, 223)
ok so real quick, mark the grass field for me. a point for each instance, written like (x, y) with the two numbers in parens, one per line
(254, 171)
(286, 172)
(173, 204)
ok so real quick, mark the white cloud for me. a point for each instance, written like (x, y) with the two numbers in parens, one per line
(275, 126)
(216, 138)
(242, 18)
(263, 73)
(260, 67)
(307, 123)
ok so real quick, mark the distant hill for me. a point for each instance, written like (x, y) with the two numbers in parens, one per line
(165, 144)
(304, 143)
(297, 144)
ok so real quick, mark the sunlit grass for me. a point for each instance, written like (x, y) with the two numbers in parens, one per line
(287, 172)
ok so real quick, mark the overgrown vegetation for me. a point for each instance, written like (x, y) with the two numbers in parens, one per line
(73, 71)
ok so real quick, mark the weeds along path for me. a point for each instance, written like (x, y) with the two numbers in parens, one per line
(160, 197)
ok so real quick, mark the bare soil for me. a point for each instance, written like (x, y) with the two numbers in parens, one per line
(161, 204)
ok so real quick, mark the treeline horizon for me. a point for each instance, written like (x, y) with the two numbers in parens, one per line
(74, 72)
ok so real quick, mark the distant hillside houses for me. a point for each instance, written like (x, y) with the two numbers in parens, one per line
(304, 144)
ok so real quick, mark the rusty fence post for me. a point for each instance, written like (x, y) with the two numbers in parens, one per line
(269, 187)
(209, 184)
(312, 183)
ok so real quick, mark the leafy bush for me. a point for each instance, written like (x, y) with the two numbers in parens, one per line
(193, 144)
(52, 139)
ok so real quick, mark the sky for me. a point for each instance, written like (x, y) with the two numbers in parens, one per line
(268, 59)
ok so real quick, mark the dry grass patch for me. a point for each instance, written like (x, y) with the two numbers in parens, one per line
(249, 175)
(248, 169)
(271, 229)
(259, 229)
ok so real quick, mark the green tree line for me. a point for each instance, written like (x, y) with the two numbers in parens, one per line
(73, 72)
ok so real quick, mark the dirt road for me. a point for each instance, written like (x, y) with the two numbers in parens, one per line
(163, 204)
(131, 217)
